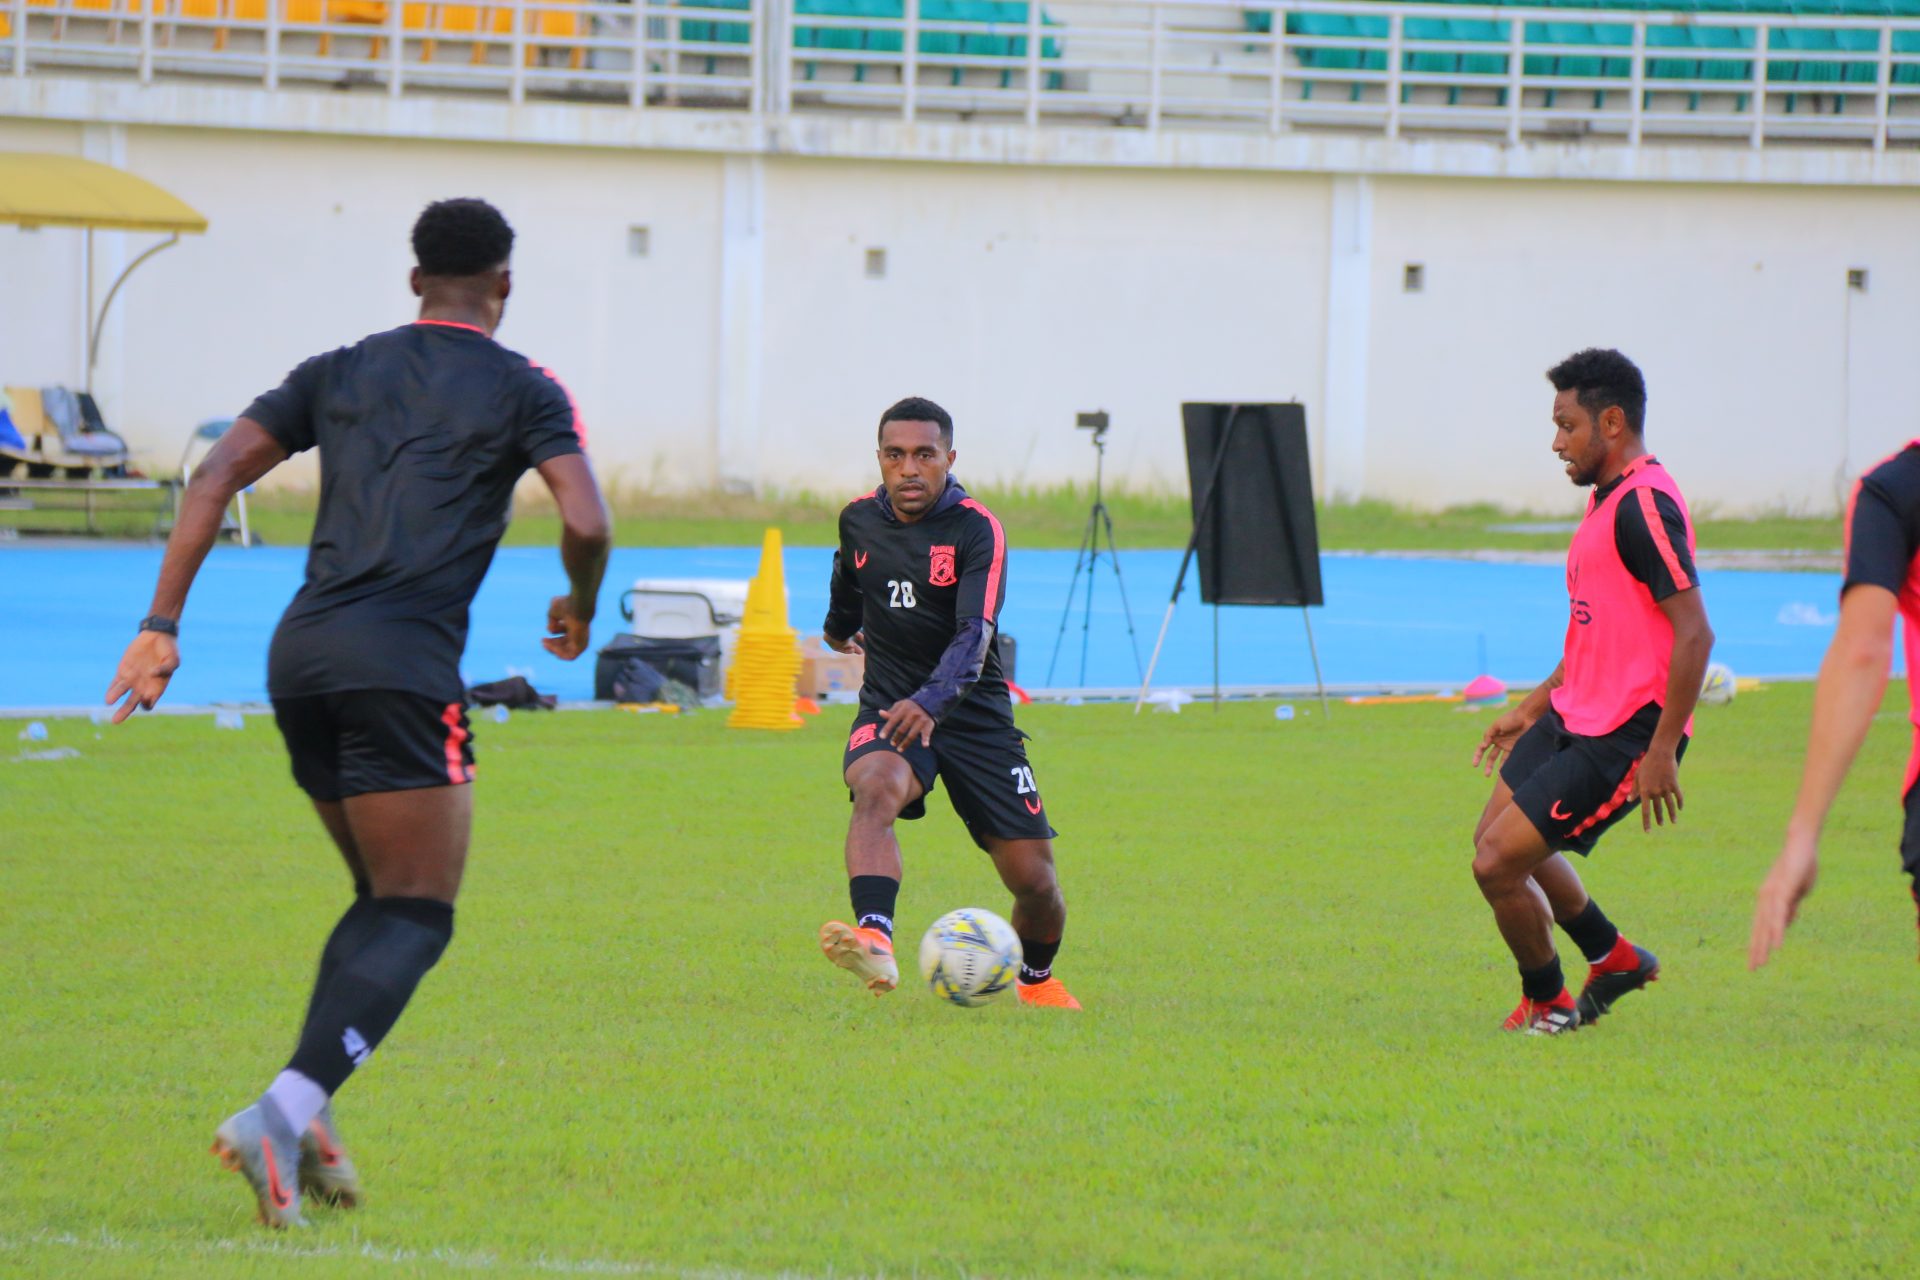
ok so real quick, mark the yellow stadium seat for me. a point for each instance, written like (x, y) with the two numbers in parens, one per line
(556, 23)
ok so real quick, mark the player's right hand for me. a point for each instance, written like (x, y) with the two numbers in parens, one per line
(567, 631)
(1498, 740)
(855, 643)
(1781, 894)
(145, 668)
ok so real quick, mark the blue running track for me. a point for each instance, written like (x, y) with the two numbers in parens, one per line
(66, 613)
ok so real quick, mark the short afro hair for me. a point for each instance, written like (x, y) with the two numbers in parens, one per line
(461, 238)
(1602, 378)
(920, 409)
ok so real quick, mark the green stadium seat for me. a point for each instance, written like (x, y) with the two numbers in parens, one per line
(1482, 31)
(1331, 25)
(1687, 52)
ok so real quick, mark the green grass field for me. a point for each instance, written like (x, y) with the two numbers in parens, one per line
(634, 1062)
(1043, 518)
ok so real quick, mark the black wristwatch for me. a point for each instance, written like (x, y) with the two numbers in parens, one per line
(165, 626)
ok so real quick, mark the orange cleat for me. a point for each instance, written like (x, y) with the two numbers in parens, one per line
(867, 954)
(1051, 994)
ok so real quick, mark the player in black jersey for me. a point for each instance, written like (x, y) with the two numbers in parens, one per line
(918, 583)
(423, 432)
(1882, 583)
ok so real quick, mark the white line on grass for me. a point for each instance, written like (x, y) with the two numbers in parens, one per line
(458, 1259)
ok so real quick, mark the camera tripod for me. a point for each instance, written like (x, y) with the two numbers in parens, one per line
(1099, 526)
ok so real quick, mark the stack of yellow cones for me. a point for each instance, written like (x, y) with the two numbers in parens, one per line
(766, 661)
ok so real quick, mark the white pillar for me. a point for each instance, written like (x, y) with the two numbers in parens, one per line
(1349, 308)
(103, 144)
(742, 305)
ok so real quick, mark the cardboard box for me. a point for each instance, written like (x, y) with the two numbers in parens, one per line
(824, 672)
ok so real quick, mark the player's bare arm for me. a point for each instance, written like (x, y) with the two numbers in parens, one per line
(586, 536)
(1658, 780)
(1500, 736)
(240, 457)
(854, 644)
(1853, 679)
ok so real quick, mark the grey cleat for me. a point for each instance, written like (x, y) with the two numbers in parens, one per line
(265, 1153)
(326, 1171)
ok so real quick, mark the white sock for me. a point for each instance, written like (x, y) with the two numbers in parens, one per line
(298, 1098)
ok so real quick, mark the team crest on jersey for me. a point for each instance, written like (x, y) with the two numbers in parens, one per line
(940, 571)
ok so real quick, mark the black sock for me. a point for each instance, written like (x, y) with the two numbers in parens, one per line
(341, 943)
(1036, 963)
(402, 939)
(873, 902)
(1592, 932)
(1543, 984)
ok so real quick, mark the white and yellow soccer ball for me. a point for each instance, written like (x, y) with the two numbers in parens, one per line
(969, 956)
(1718, 688)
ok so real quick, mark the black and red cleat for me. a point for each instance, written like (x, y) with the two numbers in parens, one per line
(1615, 977)
(1544, 1017)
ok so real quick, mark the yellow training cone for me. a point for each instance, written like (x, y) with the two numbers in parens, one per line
(766, 660)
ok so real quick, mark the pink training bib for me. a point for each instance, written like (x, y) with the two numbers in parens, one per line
(1619, 644)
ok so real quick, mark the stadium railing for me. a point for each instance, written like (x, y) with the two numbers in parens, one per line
(1745, 71)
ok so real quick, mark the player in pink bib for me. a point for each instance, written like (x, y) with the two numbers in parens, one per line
(1606, 731)
(1883, 579)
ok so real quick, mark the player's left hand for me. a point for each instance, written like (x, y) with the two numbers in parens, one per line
(145, 668)
(567, 631)
(1658, 787)
(1781, 894)
(904, 721)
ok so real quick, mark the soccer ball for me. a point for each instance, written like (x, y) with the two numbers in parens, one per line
(969, 956)
(1718, 688)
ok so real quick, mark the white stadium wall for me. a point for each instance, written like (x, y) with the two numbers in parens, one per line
(750, 348)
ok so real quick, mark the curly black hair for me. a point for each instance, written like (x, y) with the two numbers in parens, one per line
(461, 238)
(920, 409)
(1602, 377)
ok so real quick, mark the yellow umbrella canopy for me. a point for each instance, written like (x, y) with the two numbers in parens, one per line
(41, 190)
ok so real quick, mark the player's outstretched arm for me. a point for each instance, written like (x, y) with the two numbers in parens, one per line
(1853, 679)
(1657, 781)
(586, 537)
(240, 457)
(1500, 736)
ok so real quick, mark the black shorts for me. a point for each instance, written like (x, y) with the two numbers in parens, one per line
(1572, 788)
(1910, 837)
(985, 768)
(367, 740)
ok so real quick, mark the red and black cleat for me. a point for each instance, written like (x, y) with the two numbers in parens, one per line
(1544, 1017)
(1611, 979)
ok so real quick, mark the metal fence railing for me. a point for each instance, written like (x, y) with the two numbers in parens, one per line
(1263, 66)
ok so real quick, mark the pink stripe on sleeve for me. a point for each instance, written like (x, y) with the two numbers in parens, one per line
(579, 423)
(1658, 528)
(999, 556)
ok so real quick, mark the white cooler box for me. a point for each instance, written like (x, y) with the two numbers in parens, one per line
(682, 608)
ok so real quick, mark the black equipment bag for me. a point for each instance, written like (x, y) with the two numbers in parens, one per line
(693, 662)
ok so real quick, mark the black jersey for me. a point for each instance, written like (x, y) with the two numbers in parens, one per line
(423, 432)
(927, 594)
